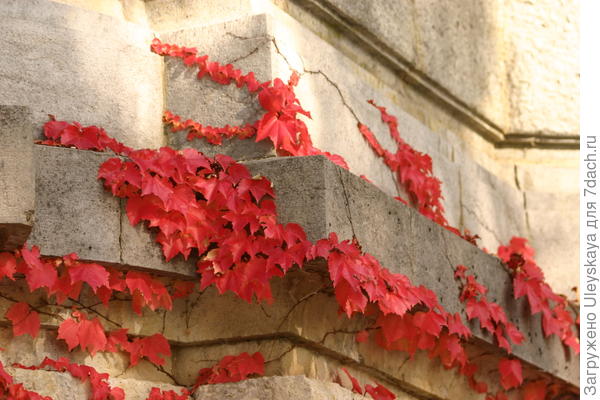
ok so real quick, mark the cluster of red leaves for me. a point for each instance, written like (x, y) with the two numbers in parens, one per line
(215, 208)
(491, 315)
(414, 171)
(232, 369)
(528, 281)
(378, 392)
(280, 122)
(91, 337)
(408, 317)
(63, 278)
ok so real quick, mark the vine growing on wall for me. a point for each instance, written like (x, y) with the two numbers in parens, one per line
(215, 209)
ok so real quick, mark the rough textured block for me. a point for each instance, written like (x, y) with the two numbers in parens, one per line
(16, 176)
(76, 214)
(243, 43)
(84, 66)
(276, 388)
(490, 207)
(73, 211)
(550, 219)
(64, 387)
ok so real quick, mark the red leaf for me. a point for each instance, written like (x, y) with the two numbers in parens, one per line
(152, 347)
(511, 374)
(93, 274)
(24, 319)
(8, 265)
(39, 274)
(535, 391)
(355, 385)
(232, 369)
(88, 334)
(380, 392)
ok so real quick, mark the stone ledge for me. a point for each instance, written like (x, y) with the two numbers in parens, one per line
(310, 191)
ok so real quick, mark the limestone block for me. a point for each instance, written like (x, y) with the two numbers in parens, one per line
(244, 43)
(64, 387)
(275, 388)
(270, 47)
(166, 15)
(553, 224)
(84, 66)
(73, 211)
(16, 176)
(543, 69)
(76, 214)
(491, 207)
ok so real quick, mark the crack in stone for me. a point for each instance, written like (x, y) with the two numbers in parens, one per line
(304, 70)
(482, 223)
(339, 91)
(347, 202)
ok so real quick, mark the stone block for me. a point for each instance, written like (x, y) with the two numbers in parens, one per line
(76, 214)
(270, 47)
(244, 43)
(64, 387)
(491, 207)
(554, 229)
(17, 190)
(73, 211)
(84, 66)
(275, 388)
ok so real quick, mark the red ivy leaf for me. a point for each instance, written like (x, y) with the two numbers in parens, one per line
(8, 265)
(535, 391)
(380, 392)
(88, 334)
(151, 347)
(511, 373)
(24, 319)
(93, 274)
(356, 388)
(232, 369)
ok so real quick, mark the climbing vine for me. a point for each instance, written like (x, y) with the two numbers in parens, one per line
(215, 209)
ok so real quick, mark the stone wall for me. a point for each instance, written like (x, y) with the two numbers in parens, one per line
(491, 85)
(488, 89)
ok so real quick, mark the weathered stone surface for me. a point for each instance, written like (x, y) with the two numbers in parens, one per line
(84, 66)
(17, 191)
(543, 71)
(64, 387)
(275, 388)
(491, 207)
(244, 43)
(406, 242)
(551, 218)
(76, 214)
(73, 211)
